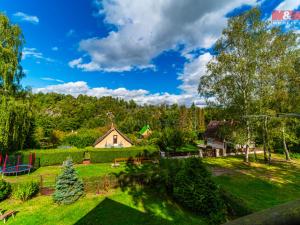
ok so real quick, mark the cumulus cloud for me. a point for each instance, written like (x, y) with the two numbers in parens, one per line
(26, 18)
(192, 72)
(147, 28)
(55, 48)
(140, 96)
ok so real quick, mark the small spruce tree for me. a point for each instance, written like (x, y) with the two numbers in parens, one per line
(69, 188)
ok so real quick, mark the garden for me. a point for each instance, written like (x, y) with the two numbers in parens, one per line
(250, 189)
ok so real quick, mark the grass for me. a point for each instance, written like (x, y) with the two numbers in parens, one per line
(50, 172)
(260, 185)
(116, 208)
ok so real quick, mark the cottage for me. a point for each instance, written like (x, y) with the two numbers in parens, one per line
(145, 131)
(214, 139)
(113, 139)
(212, 136)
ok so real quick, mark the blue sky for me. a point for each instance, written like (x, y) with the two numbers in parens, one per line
(150, 51)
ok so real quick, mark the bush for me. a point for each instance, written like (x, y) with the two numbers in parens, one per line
(5, 189)
(81, 139)
(194, 188)
(69, 188)
(108, 155)
(25, 191)
(170, 140)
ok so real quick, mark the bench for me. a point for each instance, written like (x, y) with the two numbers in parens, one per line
(136, 161)
(7, 214)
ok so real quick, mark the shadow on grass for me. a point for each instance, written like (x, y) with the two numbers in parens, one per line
(110, 212)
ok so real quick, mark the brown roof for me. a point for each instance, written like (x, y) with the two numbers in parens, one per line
(212, 130)
(108, 132)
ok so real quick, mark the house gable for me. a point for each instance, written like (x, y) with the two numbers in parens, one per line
(113, 138)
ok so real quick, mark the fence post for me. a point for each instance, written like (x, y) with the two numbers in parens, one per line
(200, 153)
(41, 184)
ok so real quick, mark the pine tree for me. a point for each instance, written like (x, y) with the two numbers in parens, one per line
(69, 188)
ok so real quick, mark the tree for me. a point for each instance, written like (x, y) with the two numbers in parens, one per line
(253, 67)
(15, 107)
(11, 72)
(69, 188)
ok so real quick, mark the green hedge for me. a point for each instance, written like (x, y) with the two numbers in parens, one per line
(51, 157)
(48, 157)
(108, 155)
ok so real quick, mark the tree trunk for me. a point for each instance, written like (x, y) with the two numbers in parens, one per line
(264, 139)
(267, 140)
(286, 151)
(248, 143)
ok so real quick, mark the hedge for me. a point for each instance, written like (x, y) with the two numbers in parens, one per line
(48, 157)
(51, 157)
(108, 155)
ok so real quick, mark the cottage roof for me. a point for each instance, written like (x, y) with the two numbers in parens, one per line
(113, 128)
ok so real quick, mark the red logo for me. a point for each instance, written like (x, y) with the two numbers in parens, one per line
(285, 15)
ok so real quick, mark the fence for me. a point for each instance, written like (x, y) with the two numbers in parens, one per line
(92, 185)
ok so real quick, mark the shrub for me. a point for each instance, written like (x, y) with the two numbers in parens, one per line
(69, 188)
(5, 189)
(194, 188)
(25, 191)
(170, 140)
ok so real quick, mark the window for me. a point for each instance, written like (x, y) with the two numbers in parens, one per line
(115, 139)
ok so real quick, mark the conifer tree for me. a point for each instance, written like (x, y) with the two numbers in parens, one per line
(69, 188)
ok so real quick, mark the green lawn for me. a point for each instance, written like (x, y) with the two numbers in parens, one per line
(116, 208)
(259, 185)
(50, 172)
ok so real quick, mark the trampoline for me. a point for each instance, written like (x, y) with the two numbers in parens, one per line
(12, 165)
(16, 170)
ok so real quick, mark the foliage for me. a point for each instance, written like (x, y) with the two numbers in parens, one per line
(255, 71)
(66, 113)
(15, 107)
(25, 191)
(82, 138)
(187, 181)
(15, 117)
(171, 140)
(5, 189)
(69, 188)
(11, 40)
(194, 188)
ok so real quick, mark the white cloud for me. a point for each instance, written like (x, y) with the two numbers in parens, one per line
(55, 48)
(26, 18)
(288, 5)
(192, 72)
(140, 96)
(147, 28)
(35, 54)
(52, 79)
